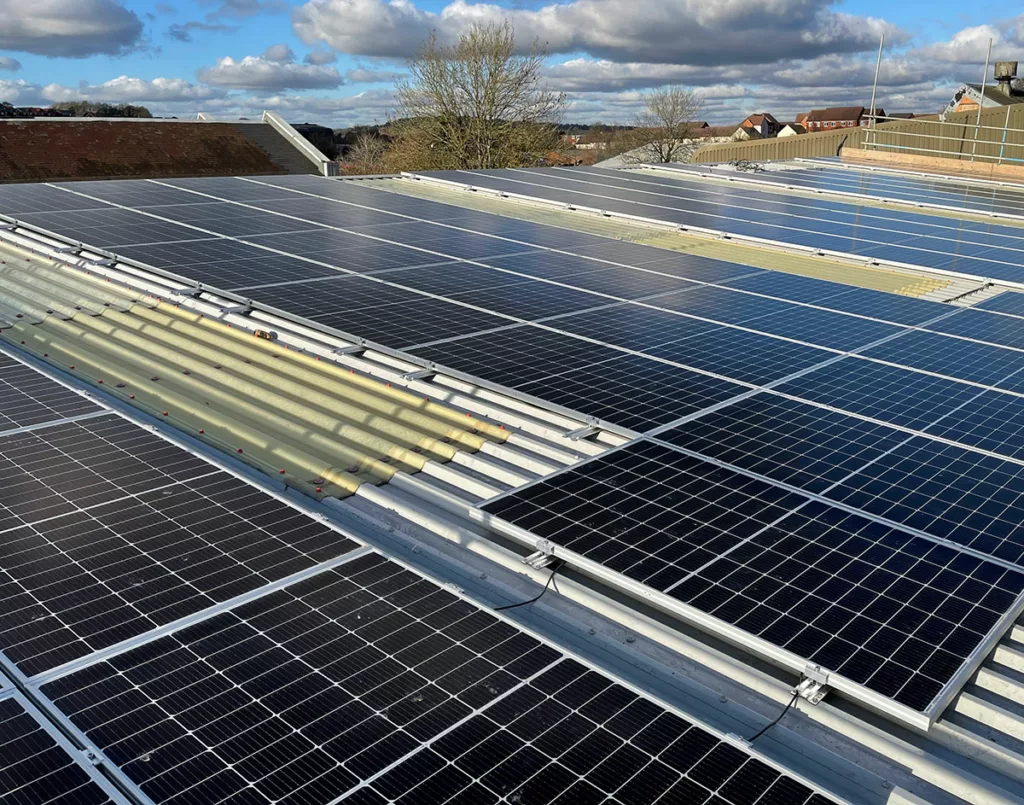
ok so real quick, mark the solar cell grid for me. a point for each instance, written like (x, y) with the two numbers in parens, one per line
(824, 328)
(993, 421)
(35, 769)
(99, 545)
(60, 469)
(1007, 302)
(370, 680)
(962, 360)
(1001, 330)
(678, 203)
(793, 442)
(28, 398)
(897, 613)
(27, 198)
(944, 490)
(889, 393)
(530, 300)
(383, 313)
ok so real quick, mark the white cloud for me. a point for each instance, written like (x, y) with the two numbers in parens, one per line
(279, 53)
(183, 31)
(124, 89)
(20, 93)
(362, 75)
(970, 45)
(7, 63)
(274, 70)
(321, 57)
(706, 31)
(68, 28)
(244, 8)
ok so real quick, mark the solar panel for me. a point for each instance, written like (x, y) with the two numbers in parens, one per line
(631, 391)
(109, 531)
(16, 200)
(370, 681)
(36, 765)
(889, 393)
(28, 398)
(982, 326)
(898, 615)
(383, 313)
(1011, 302)
(912, 189)
(958, 359)
(944, 490)
(834, 226)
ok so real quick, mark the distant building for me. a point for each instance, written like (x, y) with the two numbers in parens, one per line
(746, 133)
(839, 117)
(1008, 90)
(791, 129)
(763, 123)
(903, 116)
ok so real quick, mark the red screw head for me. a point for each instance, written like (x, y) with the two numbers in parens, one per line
(131, 396)
(281, 471)
(202, 431)
(240, 450)
(165, 413)
(318, 489)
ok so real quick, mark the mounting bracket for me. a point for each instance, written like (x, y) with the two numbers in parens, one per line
(542, 557)
(813, 684)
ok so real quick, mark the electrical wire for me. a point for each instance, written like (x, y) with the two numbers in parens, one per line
(778, 718)
(555, 565)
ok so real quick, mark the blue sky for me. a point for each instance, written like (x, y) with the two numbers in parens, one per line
(335, 61)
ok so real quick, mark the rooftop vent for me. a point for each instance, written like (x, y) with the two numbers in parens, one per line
(1006, 74)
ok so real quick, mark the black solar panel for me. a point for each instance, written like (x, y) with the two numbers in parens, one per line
(28, 398)
(370, 680)
(889, 393)
(108, 531)
(899, 614)
(629, 390)
(788, 441)
(1011, 302)
(35, 769)
(962, 360)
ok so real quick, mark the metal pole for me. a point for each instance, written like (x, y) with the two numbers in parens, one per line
(1006, 125)
(981, 101)
(874, 86)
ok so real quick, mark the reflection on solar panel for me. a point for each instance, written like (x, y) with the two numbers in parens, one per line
(943, 490)
(629, 390)
(109, 531)
(910, 238)
(368, 679)
(35, 768)
(912, 189)
(28, 398)
(1011, 302)
(900, 615)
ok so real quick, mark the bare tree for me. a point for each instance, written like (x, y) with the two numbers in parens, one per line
(475, 104)
(367, 155)
(665, 129)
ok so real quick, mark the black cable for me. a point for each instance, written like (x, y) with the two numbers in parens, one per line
(778, 718)
(555, 565)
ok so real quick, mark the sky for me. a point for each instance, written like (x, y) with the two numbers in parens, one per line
(334, 62)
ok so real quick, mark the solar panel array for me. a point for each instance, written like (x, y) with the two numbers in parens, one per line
(731, 367)
(213, 644)
(899, 614)
(913, 189)
(27, 398)
(35, 768)
(981, 249)
(370, 681)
